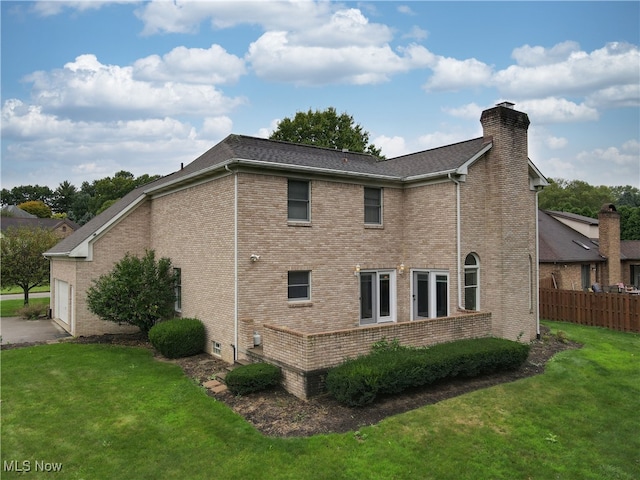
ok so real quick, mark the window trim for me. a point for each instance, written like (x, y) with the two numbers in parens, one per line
(379, 206)
(393, 297)
(307, 285)
(177, 288)
(299, 201)
(476, 267)
(433, 294)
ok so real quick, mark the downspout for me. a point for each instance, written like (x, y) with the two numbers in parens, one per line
(458, 241)
(537, 271)
(235, 262)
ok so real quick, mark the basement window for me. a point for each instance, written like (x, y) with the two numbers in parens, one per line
(216, 348)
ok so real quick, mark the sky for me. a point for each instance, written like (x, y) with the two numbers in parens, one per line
(90, 88)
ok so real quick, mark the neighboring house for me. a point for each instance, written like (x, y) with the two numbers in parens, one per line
(15, 211)
(578, 251)
(62, 227)
(315, 254)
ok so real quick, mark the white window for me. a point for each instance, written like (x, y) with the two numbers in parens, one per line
(373, 206)
(430, 294)
(377, 296)
(471, 282)
(177, 288)
(299, 285)
(299, 200)
(216, 348)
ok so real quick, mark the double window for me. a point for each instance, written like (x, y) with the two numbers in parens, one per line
(299, 200)
(373, 206)
(299, 285)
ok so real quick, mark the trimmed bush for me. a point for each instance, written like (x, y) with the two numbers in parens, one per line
(387, 371)
(252, 378)
(179, 337)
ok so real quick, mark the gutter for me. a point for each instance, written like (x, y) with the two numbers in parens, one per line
(235, 262)
(538, 190)
(458, 241)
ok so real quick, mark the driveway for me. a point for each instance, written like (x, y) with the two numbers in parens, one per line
(18, 330)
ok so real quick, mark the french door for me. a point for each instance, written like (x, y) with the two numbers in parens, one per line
(430, 294)
(377, 297)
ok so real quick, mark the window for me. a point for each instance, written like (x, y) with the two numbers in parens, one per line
(298, 200)
(377, 297)
(216, 348)
(471, 282)
(635, 275)
(373, 206)
(299, 285)
(585, 276)
(430, 294)
(177, 288)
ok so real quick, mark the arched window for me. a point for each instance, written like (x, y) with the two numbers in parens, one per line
(471, 282)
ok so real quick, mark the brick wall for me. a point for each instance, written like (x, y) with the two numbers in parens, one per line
(129, 235)
(304, 355)
(194, 227)
(334, 242)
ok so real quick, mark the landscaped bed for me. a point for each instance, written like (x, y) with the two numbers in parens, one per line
(278, 413)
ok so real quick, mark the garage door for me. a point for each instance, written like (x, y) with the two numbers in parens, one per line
(62, 301)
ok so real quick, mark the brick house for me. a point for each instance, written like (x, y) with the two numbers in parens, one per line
(318, 253)
(62, 227)
(578, 251)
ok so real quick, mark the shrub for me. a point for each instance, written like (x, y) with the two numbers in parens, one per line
(179, 337)
(359, 381)
(252, 378)
(32, 312)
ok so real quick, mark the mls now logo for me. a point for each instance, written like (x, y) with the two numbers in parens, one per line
(28, 466)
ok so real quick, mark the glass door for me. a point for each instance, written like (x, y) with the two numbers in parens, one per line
(377, 297)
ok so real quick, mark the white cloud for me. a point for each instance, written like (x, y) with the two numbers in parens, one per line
(190, 65)
(614, 65)
(557, 110)
(186, 16)
(605, 166)
(452, 74)
(406, 10)
(391, 146)
(528, 56)
(471, 111)
(50, 8)
(416, 33)
(275, 58)
(98, 90)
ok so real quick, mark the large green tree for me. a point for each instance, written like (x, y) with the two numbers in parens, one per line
(21, 262)
(325, 129)
(138, 291)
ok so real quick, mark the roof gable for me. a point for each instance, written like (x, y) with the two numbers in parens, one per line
(559, 243)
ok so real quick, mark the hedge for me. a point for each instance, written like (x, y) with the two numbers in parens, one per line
(179, 337)
(252, 378)
(385, 371)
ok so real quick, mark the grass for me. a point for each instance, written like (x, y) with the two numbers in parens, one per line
(10, 290)
(9, 308)
(114, 412)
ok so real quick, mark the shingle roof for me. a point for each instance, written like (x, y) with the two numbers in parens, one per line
(260, 152)
(630, 249)
(574, 216)
(560, 243)
(48, 223)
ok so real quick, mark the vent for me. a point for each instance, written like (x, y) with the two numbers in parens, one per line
(586, 247)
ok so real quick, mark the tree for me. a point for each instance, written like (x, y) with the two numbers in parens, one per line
(22, 263)
(325, 129)
(37, 208)
(26, 193)
(138, 291)
(63, 198)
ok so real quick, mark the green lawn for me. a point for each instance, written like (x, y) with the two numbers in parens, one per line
(41, 288)
(108, 412)
(9, 308)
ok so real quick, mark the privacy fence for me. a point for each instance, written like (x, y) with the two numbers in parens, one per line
(617, 311)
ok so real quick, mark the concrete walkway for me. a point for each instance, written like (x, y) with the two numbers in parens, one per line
(19, 330)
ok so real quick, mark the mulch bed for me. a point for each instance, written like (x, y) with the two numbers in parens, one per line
(280, 414)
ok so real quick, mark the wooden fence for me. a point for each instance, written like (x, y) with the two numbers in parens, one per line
(617, 311)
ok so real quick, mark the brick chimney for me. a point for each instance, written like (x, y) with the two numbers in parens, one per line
(510, 214)
(609, 240)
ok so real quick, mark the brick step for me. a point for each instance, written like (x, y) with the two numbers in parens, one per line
(215, 386)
